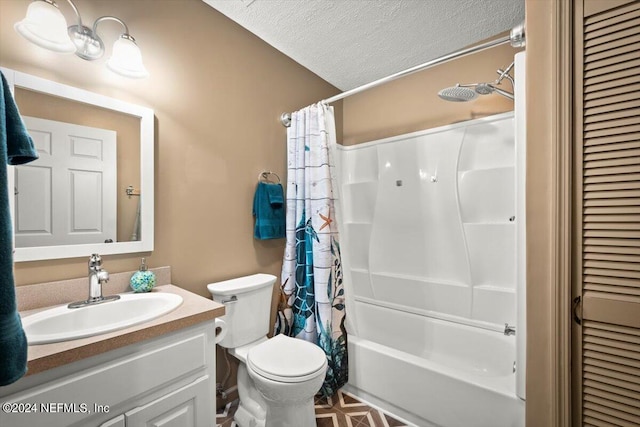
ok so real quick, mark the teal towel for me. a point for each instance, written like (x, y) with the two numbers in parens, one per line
(16, 147)
(269, 211)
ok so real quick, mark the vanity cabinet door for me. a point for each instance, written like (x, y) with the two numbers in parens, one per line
(114, 422)
(189, 406)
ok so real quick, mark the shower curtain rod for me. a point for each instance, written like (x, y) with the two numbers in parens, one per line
(516, 38)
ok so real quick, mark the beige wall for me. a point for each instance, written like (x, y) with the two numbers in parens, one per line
(217, 91)
(412, 103)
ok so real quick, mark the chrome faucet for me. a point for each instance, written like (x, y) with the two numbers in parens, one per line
(509, 330)
(97, 277)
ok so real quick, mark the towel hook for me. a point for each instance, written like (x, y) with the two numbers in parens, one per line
(264, 175)
(131, 191)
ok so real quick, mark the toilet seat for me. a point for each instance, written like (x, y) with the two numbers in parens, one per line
(288, 360)
(241, 352)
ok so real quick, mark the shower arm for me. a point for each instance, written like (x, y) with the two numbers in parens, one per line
(493, 86)
(503, 92)
(502, 75)
(505, 74)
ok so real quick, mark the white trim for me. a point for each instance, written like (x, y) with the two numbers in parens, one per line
(521, 224)
(38, 84)
(464, 124)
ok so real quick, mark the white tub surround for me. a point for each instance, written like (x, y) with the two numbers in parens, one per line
(430, 265)
(430, 222)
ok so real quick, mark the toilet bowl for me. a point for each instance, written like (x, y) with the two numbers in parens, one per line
(278, 377)
(288, 372)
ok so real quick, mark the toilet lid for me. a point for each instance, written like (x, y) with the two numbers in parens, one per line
(286, 359)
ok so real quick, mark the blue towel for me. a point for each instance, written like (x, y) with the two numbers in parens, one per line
(268, 208)
(16, 147)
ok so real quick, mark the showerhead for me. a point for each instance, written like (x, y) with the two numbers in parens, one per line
(469, 92)
(458, 93)
(463, 93)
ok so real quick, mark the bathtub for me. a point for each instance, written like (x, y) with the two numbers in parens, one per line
(433, 372)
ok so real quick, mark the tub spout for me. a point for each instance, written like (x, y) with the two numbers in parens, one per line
(509, 330)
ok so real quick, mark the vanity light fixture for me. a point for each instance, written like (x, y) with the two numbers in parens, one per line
(46, 27)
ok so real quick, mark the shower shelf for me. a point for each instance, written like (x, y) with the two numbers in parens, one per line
(483, 169)
(360, 182)
(489, 223)
(494, 288)
(421, 278)
(465, 320)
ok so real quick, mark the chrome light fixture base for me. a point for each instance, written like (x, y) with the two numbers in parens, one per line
(89, 45)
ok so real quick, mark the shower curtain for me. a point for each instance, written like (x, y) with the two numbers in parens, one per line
(312, 296)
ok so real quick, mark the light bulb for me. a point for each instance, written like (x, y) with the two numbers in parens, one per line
(45, 26)
(126, 58)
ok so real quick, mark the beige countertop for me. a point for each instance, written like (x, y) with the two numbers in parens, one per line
(194, 309)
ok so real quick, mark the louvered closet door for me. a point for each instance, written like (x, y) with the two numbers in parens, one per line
(607, 206)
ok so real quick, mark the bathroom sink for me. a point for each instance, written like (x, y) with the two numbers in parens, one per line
(62, 323)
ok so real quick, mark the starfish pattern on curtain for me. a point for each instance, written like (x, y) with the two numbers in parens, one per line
(312, 303)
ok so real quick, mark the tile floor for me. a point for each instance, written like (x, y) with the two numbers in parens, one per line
(340, 410)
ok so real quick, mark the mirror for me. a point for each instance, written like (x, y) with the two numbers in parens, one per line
(108, 144)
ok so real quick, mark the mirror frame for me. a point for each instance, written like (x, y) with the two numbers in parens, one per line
(38, 84)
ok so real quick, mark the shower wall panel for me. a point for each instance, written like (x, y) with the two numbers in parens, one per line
(429, 221)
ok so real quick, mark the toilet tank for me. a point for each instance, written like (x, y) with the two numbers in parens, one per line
(247, 303)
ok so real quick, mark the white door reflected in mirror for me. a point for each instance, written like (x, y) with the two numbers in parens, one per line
(68, 195)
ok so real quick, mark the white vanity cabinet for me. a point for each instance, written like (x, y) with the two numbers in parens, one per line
(116, 422)
(183, 407)
(164, 381)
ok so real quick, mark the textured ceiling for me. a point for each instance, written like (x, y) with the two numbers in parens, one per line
(352, 42)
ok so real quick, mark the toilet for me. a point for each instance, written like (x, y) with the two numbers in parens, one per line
(278, 377)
